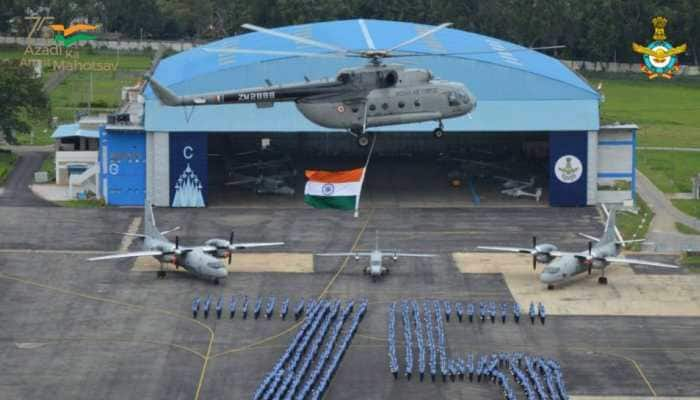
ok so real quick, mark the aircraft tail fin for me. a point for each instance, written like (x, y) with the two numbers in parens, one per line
(149, 221)
(610, 235)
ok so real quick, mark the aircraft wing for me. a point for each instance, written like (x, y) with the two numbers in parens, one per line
(409, 255)
(128, 255)
(237, 246)
(506, 249)
(262, 94)
(356, 254)
(622, 260)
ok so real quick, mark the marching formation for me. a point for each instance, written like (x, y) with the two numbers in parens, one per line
(538, 377)
(290, 377)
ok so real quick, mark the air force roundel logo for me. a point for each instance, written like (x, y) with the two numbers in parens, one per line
(327, 189)
(568, 168)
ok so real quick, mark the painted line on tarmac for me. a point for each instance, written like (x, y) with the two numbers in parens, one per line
(127, 240)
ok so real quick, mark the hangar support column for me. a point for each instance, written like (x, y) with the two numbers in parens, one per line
(592, 171)
(158, 167)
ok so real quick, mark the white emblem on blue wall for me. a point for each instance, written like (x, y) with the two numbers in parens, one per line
(188, 190)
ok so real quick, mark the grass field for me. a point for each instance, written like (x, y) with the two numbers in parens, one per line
(670, 171)
(92, 203)
(690, 207)
(7, 161)
(102, 90)
(667, 111)
(635, 226)
(685, 229)
(691, 262)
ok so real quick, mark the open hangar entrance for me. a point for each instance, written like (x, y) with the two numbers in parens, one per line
(458, 169)
(534, 116)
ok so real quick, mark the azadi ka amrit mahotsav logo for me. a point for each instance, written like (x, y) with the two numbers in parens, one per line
(75, 33)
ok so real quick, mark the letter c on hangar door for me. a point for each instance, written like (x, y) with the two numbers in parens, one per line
(188, 152)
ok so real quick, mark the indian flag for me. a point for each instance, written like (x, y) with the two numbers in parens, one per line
(333, 189)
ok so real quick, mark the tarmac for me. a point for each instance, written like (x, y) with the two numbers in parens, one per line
(78, 330)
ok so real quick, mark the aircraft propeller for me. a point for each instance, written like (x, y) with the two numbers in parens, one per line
(230, 253)
(590, 257)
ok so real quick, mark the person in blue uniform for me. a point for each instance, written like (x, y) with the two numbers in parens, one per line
(195, 306)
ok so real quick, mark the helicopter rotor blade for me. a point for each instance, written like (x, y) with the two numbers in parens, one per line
(294, 38)
(470, 53)
(276, 53)
(419, 37)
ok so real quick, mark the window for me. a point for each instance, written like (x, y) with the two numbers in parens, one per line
(385, 106)
(372, 107)
(452, 99)
(355, 109)
(402, 104)
(416, 103)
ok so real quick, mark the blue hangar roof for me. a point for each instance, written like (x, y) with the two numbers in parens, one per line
(517, 89)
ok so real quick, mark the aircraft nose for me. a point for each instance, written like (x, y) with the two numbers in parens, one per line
(547, 278)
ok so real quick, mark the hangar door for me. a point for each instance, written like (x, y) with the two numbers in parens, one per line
(188, 169)
(568, 159)
(123, 167)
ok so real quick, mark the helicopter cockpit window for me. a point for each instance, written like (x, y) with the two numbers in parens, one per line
(344, 77)
(452, 99)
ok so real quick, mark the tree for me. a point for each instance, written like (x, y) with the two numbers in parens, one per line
(21, 94)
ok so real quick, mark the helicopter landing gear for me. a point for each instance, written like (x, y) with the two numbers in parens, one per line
(439, 132)
(603, 280)
(363, 140)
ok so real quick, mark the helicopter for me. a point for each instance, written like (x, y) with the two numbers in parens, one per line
(359, 98)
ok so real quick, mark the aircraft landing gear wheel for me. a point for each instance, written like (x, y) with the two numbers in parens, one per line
(438, 133)
(161, 274)
(216, 281)
(603, 280)
(550, 287)
(363, 140)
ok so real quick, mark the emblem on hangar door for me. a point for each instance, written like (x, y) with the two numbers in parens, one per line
(568, 168)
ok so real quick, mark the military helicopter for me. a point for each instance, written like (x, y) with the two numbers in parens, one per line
(376, 94)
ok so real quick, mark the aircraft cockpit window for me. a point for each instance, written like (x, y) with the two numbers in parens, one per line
(344, 77)
(215, 265)
(551, 270)
(452, 99)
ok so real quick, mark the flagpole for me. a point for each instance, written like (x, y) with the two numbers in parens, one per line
(362, 180)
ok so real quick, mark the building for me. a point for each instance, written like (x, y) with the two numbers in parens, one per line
(528, 103)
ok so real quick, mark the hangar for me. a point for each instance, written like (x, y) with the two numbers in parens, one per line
(534, 116)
